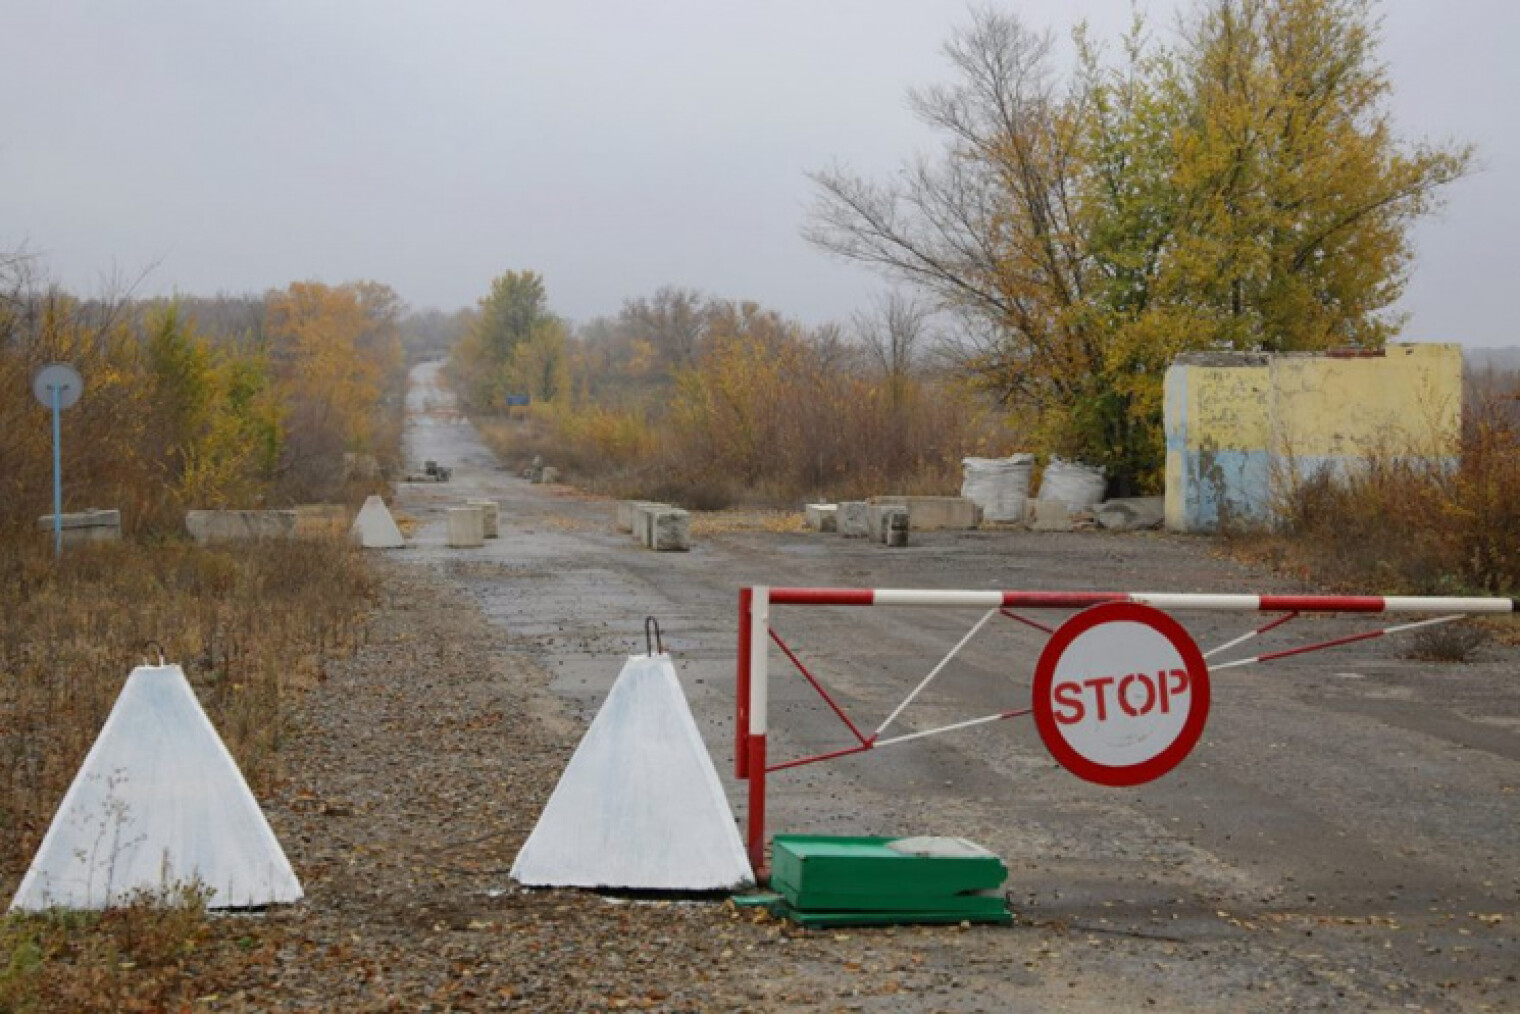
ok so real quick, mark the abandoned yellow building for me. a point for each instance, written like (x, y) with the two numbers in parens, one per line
(1241, 428)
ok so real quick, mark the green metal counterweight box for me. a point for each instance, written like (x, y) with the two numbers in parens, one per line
(834, 881)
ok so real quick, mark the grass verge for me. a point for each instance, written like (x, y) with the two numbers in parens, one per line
(252, 625)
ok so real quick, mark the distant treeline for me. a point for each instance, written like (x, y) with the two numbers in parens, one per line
(707, 401)
(291, 396)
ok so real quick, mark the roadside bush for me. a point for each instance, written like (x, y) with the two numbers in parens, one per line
(1448, 642)
(188, 405)
(760, 420)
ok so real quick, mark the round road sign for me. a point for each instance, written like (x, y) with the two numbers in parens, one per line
(1121, 694)
(62, 377)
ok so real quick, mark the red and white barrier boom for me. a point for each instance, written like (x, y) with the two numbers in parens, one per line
(1120, 692)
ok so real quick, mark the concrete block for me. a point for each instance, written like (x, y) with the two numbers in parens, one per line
(877, 516)
(854, 520)
(670, 530)
(548, 474)
(624, 514)
(208, 527)
(627, 518)
(1048, 516)
(1131, 513)
(643, 522)
(78, 527)
(936, 513)
(897, 527)
(822, 517)
(492, 516)
(467, 527)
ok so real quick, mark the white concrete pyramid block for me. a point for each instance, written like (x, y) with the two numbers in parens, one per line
(158, 801)
(640, 805)
(374, 528)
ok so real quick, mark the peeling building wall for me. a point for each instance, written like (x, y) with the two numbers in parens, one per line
(1240, 426)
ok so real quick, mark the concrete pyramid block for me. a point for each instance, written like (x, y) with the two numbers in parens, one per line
(640, 805)
(158, 801)
(374, 528)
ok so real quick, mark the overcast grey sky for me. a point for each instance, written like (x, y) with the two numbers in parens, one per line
(612, 147)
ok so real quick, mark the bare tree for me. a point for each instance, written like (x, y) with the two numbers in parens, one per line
(674, 321)
(988, 229)
(893, 331)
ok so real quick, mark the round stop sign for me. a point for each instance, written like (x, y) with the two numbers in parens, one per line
(1121, 694)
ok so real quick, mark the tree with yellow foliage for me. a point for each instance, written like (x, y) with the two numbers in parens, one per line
(333, 350)
(1240, 189)
(513, 314)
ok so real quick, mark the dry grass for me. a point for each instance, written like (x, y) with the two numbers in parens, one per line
(251, 625)
(1406, 524)
(1449, 642)
(746, 520)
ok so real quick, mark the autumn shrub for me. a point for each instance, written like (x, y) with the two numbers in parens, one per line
(157, 952)
(176, 416)
(251, 625)
(760, 421)
(1448, 642)
(1410, 523)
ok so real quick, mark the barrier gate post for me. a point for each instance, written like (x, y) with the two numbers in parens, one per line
(759, 652)
(754, 636)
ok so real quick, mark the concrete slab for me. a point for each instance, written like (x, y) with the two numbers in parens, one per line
(467, 527)
(643, 522)
(208, 527)
(670, 530)
(79, 527)
(821, 517)
(935, 513)
(628, 513)
(854, 520)
(1049, 516)
(492, 511)
(1131, 513)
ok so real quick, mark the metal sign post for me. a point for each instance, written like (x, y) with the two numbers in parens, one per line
(57, 386)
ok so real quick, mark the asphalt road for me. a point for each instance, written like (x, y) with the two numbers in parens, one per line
(1343, 836)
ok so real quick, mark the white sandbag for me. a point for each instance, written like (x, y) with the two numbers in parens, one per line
(999, 486)
(1077, 486)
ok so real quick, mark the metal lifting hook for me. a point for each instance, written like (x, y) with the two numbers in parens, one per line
(150, 643)
(651, 643)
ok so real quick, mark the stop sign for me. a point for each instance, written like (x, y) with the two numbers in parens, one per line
(1121, 694)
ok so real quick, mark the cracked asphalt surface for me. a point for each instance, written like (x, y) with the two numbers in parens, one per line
(1343, 837)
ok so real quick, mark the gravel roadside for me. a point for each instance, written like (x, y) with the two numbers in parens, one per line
(418, 769)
